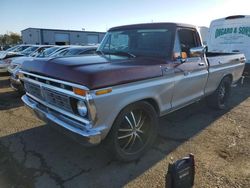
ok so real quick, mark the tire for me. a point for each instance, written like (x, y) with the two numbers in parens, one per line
(219, 99)
(133, 131)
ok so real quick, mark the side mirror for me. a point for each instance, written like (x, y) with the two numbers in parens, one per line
(198, 51)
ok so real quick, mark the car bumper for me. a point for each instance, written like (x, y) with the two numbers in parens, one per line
(90, 136)
(16, 84)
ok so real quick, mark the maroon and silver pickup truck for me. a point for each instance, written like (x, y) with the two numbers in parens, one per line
(141, 72)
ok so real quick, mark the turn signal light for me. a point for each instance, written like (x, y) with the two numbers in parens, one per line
(78, 91)
(103, 91)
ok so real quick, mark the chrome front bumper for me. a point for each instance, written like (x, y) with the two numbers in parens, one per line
(90, 136)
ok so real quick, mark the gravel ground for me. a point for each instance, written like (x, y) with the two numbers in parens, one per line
(32, 154)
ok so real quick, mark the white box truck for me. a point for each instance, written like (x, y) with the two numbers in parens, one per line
(231, 34)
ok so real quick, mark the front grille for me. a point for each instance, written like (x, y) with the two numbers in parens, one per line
(57, 99)
(52, 83)
(34, 90)
(50, 96)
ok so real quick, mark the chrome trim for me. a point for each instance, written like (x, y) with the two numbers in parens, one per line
(88, 98)
(93, 135)
(91, 108)
(55, 80)
(16, 82)
(67, 92)
(59, 110)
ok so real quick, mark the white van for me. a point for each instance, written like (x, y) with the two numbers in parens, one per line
(230, 34)
(203, 30)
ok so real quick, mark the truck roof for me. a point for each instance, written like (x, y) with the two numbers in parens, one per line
(151, 25)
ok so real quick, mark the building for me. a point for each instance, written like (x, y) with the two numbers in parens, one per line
(60, 37)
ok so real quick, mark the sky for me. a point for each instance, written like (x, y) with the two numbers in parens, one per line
(94, 15)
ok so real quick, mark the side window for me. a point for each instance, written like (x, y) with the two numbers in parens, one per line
(188, 39)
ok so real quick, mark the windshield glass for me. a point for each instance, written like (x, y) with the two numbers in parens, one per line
(59, 53)
(20, 48)
(74, 51)
(30, 50)
(12, 48)
(48, 51)
(138, 42)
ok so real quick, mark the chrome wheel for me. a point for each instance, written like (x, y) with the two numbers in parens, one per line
(220, 98)
(133, 131)
(222, 92)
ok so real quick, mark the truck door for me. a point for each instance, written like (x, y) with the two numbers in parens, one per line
(190, 72)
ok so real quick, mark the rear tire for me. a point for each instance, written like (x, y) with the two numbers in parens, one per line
(219, 99)
(133, 131)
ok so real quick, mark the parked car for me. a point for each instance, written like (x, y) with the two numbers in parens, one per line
(34, 50)
(76, 50)
(5, 60)
(51, 51)
(142, 72)
(18, 48)
(13, 50)
(7, 57)
(16, 64)
(231, 34)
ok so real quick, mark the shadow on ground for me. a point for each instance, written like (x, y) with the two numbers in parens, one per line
(10, 99)
(4, 83)
(44, 155)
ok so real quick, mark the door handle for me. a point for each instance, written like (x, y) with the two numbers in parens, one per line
(201, 64)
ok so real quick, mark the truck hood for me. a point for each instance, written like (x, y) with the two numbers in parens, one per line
(94, 71)
(20, 60)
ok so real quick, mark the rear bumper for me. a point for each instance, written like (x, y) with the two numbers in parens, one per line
(68, 126)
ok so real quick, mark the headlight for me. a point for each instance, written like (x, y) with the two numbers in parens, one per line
(82, 108)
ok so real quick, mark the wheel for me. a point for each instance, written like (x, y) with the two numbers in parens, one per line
(133, 131)
(219, 99)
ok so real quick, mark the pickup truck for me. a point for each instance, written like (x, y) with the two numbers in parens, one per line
(141, 72)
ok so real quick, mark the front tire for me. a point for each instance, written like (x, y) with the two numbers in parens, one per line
(133, 131)
(220, 98)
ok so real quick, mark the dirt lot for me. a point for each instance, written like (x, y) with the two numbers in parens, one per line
(32, 154)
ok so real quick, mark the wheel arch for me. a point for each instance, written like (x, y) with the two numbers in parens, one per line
(154, 103)
(230, 76)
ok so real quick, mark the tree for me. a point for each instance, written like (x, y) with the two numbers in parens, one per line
(15, 37)
(10, 38)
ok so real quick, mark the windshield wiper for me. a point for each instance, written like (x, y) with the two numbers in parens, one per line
(116, 53)
(100, 52)
(123, 53)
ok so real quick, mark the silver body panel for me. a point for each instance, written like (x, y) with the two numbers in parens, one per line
(179, 86)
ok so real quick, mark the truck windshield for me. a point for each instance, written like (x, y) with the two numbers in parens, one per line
(138, 42)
